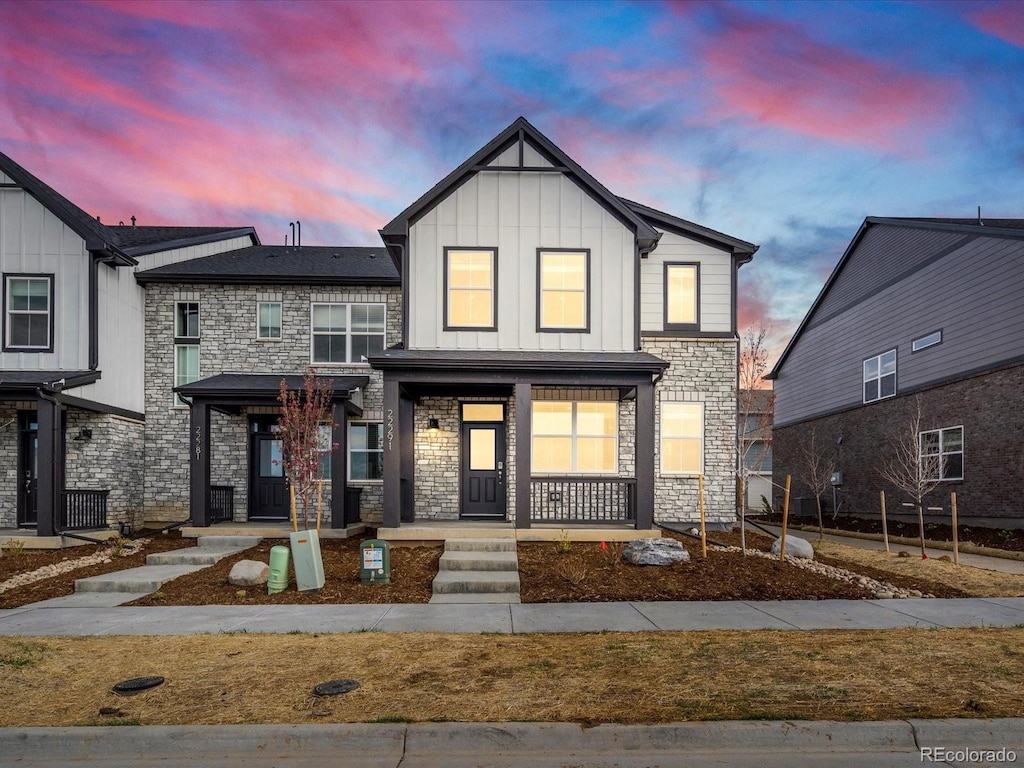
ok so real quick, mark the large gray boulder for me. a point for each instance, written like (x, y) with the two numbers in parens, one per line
(655, 552)
(796, 547)
(249, 573)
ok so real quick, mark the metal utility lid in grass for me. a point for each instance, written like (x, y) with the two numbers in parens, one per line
(335, 687)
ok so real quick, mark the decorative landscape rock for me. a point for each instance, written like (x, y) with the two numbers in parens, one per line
(655, 552)
(795, 546)
(249, 573)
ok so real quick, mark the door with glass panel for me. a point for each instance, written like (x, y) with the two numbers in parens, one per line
(483, 461)
(268, 498)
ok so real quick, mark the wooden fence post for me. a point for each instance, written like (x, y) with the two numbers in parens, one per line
(785, 520)
(956, 536)
(703, 530)
(885, 527)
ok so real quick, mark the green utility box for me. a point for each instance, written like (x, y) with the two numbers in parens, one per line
(376, 562)
(309, 564)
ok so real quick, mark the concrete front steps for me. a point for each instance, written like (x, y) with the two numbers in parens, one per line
(162, 567)
(477, 570)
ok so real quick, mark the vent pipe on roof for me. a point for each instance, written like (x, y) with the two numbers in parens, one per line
(298, 225)
(133, 222)
(292, 225)
(980, 222)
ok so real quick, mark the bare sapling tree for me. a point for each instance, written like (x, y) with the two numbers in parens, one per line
(817, 467)
(755, 406)
(303, 413)
(908, 468)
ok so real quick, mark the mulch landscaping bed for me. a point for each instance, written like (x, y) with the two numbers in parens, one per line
(64, 584)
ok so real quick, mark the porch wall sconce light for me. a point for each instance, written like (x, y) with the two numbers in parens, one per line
(433, 425)
(85, 433)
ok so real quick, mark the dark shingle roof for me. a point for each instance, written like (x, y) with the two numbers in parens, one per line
(264, 385)
(140, 240)
(498, 360)
(973, 222)
(732, 244)
(269, 264)
(46, 379)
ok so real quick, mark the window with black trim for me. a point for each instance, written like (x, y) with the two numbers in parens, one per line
(470, 289)
(366, 450)
(682, 296)
(563, 290)
(575, 437)
(942, 454)
(28, 319)
(186, 345)
(880, 376)
(346, 333)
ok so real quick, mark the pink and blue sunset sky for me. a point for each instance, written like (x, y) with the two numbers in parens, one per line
(782, 123)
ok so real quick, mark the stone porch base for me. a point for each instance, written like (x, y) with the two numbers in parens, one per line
(434, 533)
(267, 530)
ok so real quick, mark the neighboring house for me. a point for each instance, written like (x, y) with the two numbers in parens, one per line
(71, 366)
(755, 423)
(924, 311)
(221, 332)
(566, 355)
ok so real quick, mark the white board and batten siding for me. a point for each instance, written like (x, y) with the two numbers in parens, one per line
(518, 213)
(715, 287)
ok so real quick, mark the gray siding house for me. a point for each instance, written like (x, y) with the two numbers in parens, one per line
(922, 311)
(72, 362)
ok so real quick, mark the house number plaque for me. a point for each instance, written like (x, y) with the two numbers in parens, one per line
(391, 426)
(199, 443)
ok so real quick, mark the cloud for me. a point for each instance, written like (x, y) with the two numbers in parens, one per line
(1002, 20)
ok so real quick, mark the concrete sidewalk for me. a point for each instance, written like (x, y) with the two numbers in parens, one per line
(538, 745)
(41, 619)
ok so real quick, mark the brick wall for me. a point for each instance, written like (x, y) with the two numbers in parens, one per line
(701, 371)
(228, 344)
(991, 409)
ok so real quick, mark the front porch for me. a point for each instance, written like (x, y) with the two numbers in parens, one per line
(436, 532)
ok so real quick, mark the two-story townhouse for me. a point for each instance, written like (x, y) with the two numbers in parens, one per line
(221, 334)
(71, 365)
(566, 355)
(917, 312)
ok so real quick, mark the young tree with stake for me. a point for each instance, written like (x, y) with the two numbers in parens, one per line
(303, 413)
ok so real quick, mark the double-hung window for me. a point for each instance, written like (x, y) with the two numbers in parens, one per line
(268, 320)
(575, 437)
(682, 438)
(470, 279)
(880, 376)
(186, 345)
(346, 333)
(563, 282)
(366, 450)
(29, 317)
(682, 302)
(942, 454)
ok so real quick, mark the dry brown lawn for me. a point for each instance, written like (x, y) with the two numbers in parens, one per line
(586, 678)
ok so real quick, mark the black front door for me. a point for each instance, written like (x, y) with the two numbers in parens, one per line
(483, 470)
(268, 488)
(28, 468)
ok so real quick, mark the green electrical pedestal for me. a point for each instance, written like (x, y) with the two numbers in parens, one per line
(309, 565)
(376, 558)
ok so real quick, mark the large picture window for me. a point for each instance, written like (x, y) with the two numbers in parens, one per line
(563, 302)
(29, 317)
(470, 277)
(575, 437)
(366, 450)
(682, 438)
(942, 454)
(880, 376)
(346, 333)
(682, 305)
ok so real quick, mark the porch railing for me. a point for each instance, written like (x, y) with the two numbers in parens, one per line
(83, 510)
(222, 503)
(583, 500)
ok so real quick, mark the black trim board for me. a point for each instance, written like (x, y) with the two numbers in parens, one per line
(91, 405)
(186, 242)
(666, 325)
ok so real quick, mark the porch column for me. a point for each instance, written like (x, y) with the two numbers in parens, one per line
(407, 438)
(50, 455)
(392, 455)
(645, 456)
(524, 421)
(340, 513)
(199, 463)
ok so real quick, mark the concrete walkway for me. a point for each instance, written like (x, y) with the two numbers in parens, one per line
(46, 619)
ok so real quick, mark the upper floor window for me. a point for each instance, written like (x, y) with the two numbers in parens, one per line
(682, 438)
(29, 315)
(470, 278)
(268, 320)
(366, 450)
(933, 338)
(575, 437)
(346, 333)
(880, 376)
(563, 281)
(186, 320)
(682, 305)
(942, 454)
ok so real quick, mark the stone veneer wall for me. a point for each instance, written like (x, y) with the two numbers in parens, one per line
(701, 371)
(228, 344)
(112, 459)
(9, 463)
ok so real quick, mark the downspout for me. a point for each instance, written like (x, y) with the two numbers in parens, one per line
(94, 313)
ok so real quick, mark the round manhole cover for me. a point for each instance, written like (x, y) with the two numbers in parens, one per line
(137, 684)
(336, 687)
